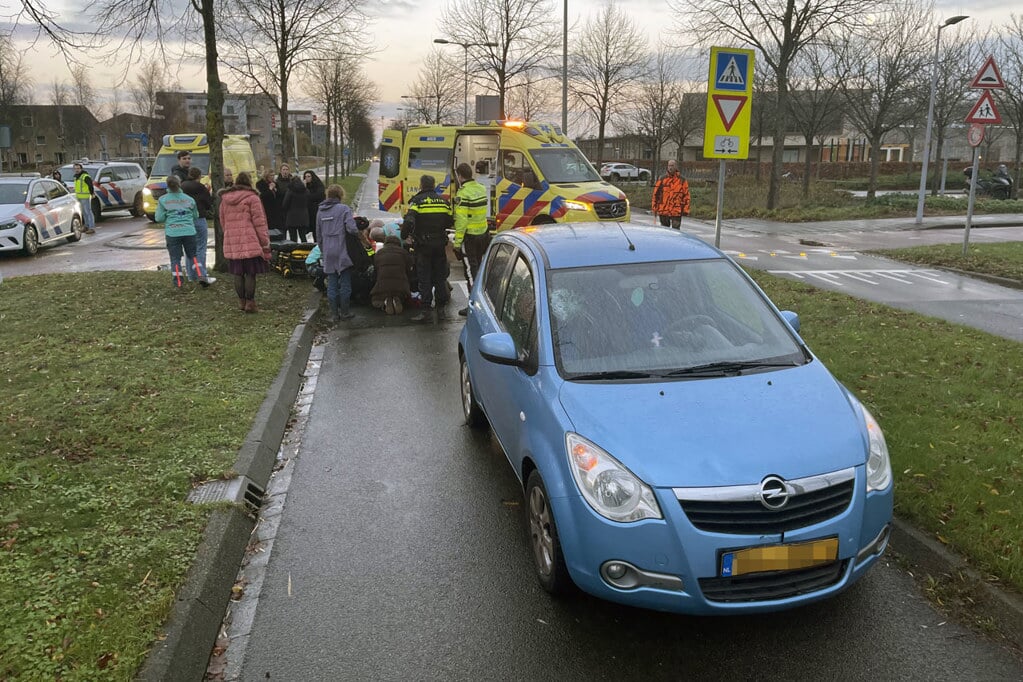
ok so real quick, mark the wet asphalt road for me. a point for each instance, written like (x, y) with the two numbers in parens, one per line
(402, 555)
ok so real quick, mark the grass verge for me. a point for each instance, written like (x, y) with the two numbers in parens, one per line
(948, 400)
(121, 394)
(1001, 260)
(746, 198)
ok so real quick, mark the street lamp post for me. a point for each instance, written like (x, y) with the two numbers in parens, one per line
(930, 117)
(465, 68)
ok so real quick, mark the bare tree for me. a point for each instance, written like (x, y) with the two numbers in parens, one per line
(532, 96)
(151, 79)
(523, 34)
(816, 81)
(780, 30)
(609, 55)
(1010, 60)
(687, 118)
(656, 98)
(290, 34)
(883, 67)
(13, 76)
(82, 92)
(436, 94)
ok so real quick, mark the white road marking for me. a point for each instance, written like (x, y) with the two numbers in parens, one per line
(834, 276)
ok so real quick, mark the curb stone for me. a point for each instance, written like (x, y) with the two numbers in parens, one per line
(191, 630)
(1004, 608)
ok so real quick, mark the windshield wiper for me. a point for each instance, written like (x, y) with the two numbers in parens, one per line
(724, 368)
(612, 374)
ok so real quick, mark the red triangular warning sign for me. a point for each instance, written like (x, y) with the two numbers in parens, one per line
(984, 110)
(728, 107)
(989, 76)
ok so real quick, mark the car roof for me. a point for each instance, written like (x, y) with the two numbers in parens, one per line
(11, 180)
(570, 245)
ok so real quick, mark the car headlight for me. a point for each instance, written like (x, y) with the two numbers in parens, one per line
(9, 225)
(146, 192)
(611, 490)
(879, 464)
(577, 206)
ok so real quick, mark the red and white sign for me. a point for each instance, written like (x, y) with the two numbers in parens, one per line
(984, 110)
(989, 76)
(728, 107)
(975, 135)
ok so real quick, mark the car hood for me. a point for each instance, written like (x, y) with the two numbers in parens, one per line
(722, 431)
(12, 212)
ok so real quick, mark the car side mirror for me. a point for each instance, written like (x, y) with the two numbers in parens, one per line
(792, 319)
(105, 178)
(38, 201)
(499, 348)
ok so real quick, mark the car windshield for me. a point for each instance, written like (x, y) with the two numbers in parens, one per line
(564, 164)
(13, 192)
(67, 173)
(674, 318)
(165, 162)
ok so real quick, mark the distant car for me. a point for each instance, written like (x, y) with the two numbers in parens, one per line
(117, 185)
(623, 171)
(679, 446)
(36, 211)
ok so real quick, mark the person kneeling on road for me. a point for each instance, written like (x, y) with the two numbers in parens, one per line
(429, 217)
(393, 265)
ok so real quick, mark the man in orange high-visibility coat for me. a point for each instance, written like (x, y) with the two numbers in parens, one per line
(671, 197)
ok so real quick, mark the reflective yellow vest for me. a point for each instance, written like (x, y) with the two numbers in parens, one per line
(82, 190)
(470, 211)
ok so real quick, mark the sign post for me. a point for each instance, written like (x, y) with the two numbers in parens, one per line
(726, 129)
(983, 113)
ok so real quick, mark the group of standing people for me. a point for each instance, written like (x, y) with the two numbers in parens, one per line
(290, 202)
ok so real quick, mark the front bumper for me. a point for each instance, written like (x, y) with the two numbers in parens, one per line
(678, 566)
(12, 238)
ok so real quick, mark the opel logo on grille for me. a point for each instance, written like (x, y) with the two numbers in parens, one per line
(774, 494)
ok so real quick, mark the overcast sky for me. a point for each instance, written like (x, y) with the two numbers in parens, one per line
(403, 32)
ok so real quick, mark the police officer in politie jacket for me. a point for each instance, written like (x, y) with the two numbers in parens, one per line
(471, 230)
(427, 222)
(671, 197)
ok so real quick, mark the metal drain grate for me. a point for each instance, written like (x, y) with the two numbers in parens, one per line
(239, 490)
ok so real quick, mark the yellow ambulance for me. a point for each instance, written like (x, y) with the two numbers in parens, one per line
(536, 174)
(237, 157)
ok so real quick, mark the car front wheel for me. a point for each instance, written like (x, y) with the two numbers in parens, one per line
(136, 208)
(76, 229)
(548, 560)
(615, 177)
(471, 410)
(30, 241)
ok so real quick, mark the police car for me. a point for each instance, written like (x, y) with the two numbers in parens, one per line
(117, 185)
(36, 211)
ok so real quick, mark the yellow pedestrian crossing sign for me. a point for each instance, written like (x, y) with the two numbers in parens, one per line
(729, 97)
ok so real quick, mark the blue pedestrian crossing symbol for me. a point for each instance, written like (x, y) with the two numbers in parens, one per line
(731, 72)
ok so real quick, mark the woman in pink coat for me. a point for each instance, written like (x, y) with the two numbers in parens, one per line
(246, 240)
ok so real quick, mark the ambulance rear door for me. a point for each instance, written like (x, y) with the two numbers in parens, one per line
(428, 151)
(389, 181)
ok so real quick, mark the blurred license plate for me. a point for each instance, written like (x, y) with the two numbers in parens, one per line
(779, 557)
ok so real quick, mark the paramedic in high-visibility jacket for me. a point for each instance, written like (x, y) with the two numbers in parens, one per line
(84, 192)
(471, 234)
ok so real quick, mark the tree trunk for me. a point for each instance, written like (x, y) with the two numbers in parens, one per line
(780, 126)
(214, 124)
(875, 164)
(808, 167)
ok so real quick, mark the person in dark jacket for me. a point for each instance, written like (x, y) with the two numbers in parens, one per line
(269, 195)
(428, 219)
(204, 205)
(317, 193)
(184, 164)
(296, 213)
(393, 265)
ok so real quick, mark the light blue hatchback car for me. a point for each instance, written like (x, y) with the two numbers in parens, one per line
(680, 447)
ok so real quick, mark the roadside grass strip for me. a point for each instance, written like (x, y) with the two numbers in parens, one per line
(948, 399)
(1003, 259)
(119, 395)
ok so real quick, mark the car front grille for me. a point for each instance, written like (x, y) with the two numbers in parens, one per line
(611, 210)
(157, 193)
(773, 585)
(750, 517)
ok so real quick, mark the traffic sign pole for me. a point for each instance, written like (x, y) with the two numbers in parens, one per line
(721, 203)
(973, 195)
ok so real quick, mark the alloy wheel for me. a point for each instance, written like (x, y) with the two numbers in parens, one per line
(540, 531)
